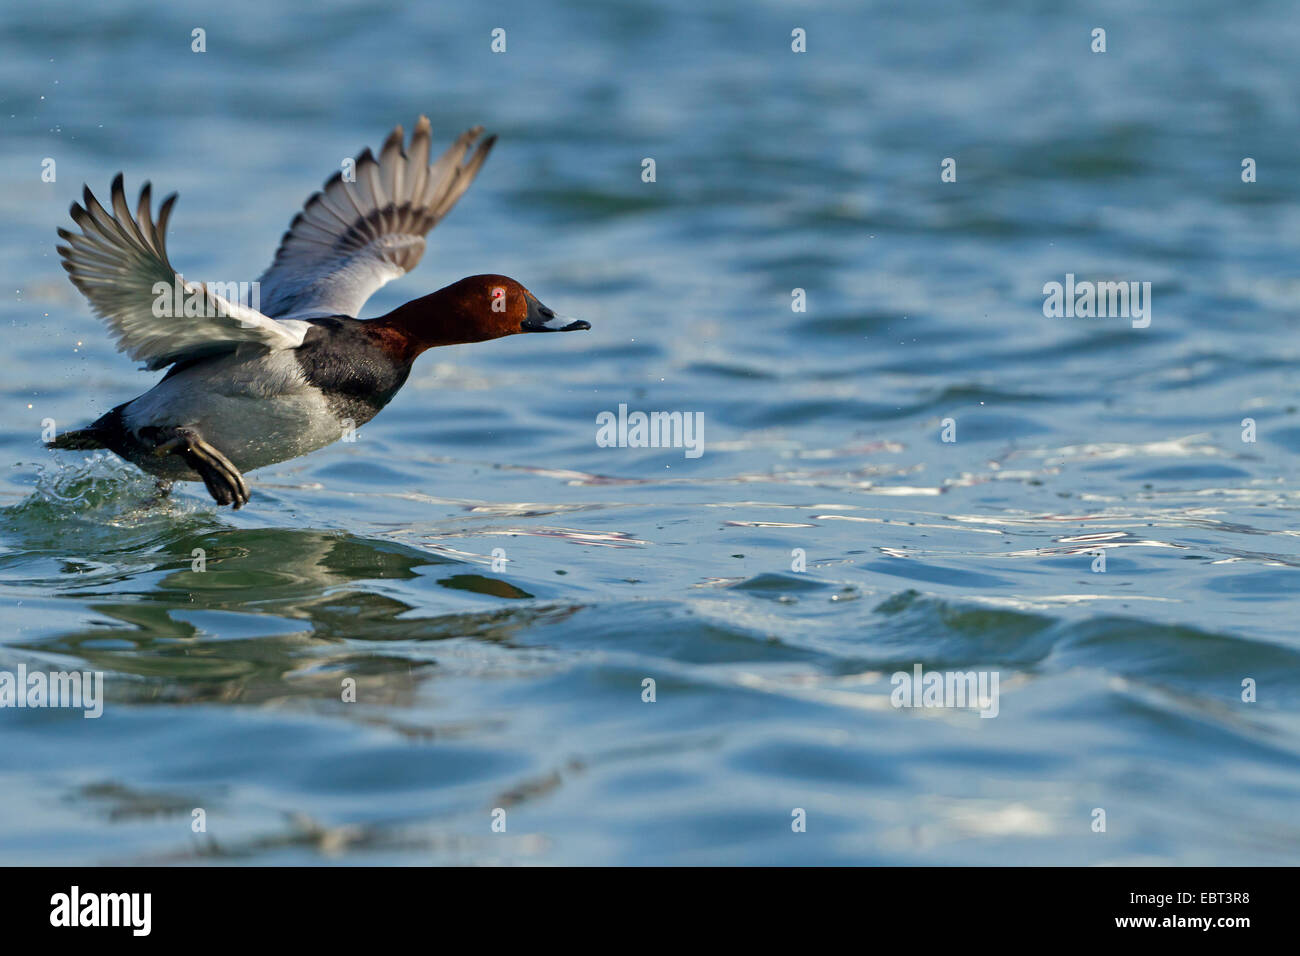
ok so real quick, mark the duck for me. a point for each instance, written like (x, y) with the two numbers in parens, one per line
(260, 373)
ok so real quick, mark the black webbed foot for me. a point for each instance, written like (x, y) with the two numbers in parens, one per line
(222, 479)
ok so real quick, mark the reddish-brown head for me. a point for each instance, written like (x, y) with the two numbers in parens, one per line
(474, 309)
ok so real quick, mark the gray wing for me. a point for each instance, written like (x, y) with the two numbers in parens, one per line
(352, 237)
(120, 264)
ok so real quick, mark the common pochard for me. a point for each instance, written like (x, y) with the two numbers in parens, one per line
(251, 386)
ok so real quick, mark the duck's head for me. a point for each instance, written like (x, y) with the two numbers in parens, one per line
(491, 306)
(475, 309)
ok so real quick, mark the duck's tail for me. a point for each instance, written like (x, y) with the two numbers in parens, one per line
(80, 440)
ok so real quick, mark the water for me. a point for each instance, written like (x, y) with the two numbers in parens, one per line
(521, 688)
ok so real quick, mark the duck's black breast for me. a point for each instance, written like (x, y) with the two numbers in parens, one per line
(345, 361)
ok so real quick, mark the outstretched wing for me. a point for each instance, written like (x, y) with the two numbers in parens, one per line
(352, 237)
(120, 264)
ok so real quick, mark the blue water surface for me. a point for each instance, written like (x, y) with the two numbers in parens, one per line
(827, 537)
